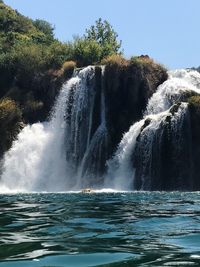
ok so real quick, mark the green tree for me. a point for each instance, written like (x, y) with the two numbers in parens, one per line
(85, 52)
(44, 27)
(103, 33)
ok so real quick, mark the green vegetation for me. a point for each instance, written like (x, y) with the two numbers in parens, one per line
(141, 62)
(44, 27)
(115, 60)
(85, 52)
(99, 42)
(68, 69)
(10, 123)
(144, 65)
(144, 61)
(34, 64)
(31, 63)
(105, 36)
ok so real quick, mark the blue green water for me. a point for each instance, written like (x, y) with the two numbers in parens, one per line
(100, 229)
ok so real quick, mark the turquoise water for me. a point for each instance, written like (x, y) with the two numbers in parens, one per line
(100, 229)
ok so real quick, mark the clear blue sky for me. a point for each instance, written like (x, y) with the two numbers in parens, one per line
(167, 30)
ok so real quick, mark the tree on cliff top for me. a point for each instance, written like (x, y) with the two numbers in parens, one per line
(98, 42)
(103, 33)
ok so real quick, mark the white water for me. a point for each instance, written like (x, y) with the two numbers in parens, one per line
(120, 168)
(52, 156)
(171, 91)
(120, 174)
(151, 137)
(38, 152)
(95, 149)
(80, 122)
(37, 159)
(63, 154)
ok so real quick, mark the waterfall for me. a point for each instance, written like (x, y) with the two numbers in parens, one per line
(70, 151)
(37, 158)
(120, 172)
(45, 155)
(132, 164)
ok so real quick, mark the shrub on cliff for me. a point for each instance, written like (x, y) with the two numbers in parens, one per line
(115, 60)
(144, 61)
(68, 68)
(154, 72)
(10, 123)
(151, 71)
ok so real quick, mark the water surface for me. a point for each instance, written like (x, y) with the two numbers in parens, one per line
(100, 229)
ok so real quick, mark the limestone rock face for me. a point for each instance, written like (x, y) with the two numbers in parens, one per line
(127, 90)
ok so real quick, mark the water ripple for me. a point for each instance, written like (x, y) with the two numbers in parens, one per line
(113, 229)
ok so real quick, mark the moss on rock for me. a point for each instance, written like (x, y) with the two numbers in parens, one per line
(10, 123)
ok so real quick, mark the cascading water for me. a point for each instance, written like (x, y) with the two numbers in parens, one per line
(69, 152)
(159, 147)
(37, 157)
(180, 82)
(47, 156)
(91, 164)
(133, 164)
(86, 145)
